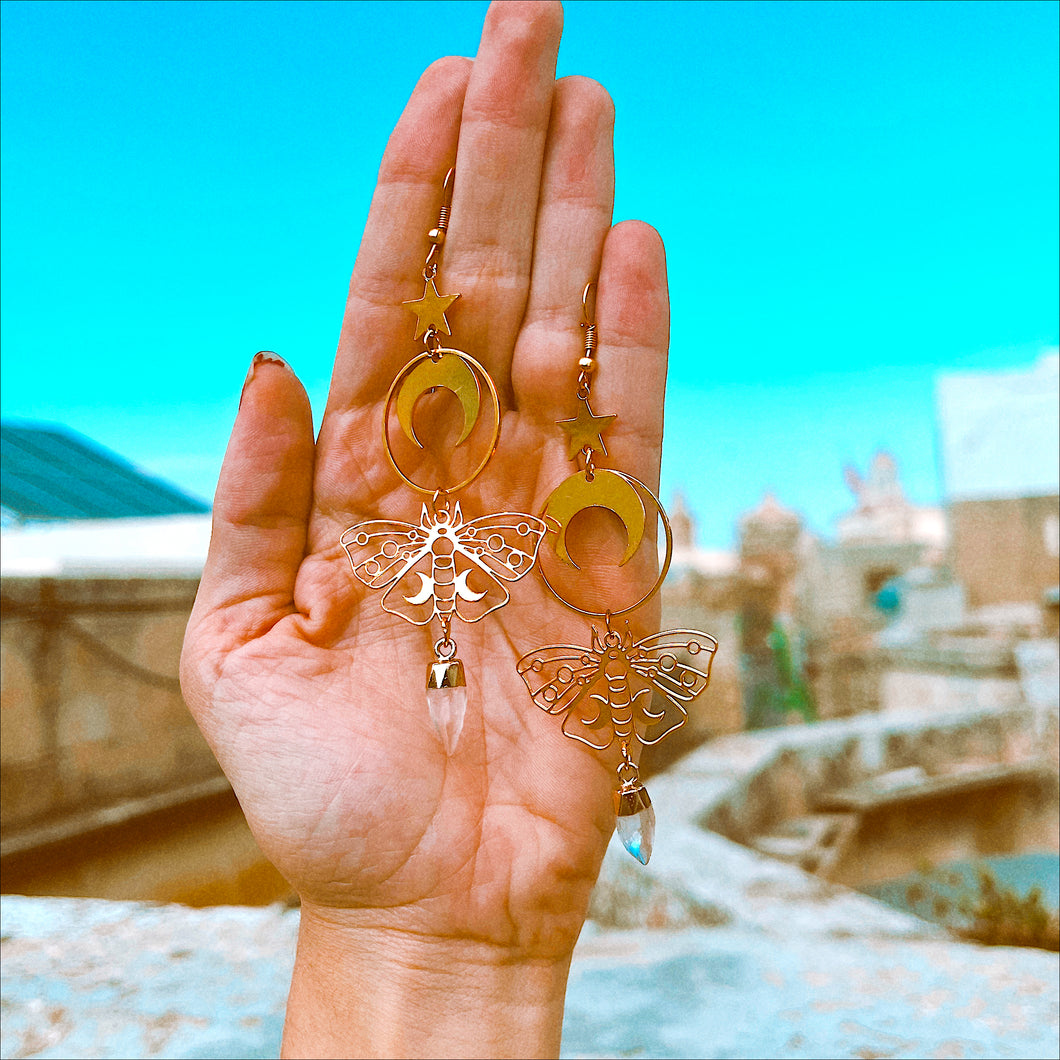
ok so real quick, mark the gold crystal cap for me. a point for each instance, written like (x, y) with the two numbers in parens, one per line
(445, 674)
(631, 800)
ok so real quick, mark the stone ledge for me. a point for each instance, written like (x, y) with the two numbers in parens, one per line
(746, 887)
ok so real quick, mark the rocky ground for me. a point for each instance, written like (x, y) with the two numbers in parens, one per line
(712, 951)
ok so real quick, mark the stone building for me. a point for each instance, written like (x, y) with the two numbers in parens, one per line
(880, 539)
(883, 538)
(770, 645)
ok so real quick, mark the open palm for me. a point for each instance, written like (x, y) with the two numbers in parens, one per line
(310, 694)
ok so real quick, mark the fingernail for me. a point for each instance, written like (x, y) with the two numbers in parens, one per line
(261, 357)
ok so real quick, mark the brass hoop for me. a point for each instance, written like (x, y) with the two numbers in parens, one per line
(392, 393)
(635, 482)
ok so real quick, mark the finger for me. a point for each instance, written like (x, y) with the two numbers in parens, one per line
(574, 216)
(261, 509)
(504, 125)
(377, 330)
(633, 330)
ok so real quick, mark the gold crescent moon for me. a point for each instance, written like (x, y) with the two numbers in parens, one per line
(606, 490)
(448, 371)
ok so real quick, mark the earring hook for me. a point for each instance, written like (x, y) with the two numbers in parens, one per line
(437, 234)
(588, 316)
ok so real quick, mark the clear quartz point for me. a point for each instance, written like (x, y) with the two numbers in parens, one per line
(636, 821)
(447, 700)
(447, 707)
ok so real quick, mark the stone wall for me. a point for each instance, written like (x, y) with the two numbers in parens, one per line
(775, 962)
(91, 708)
(980, 782)
(104, 770)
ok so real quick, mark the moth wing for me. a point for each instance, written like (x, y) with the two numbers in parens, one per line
(590, 722)
(411, 595)
(661, 660)
(505, 543)
(381, 550)
(477, 592)
(558, 676)
(656, 715)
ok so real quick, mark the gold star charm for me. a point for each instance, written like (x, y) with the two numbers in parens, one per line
(430, 310)
(586, 430)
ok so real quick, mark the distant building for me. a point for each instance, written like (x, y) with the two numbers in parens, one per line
(882, 541)
(882, 538)
(883, 514)
(769, 542)
(1000, 443)
(49, 473)
(74, 509)
(770, 647)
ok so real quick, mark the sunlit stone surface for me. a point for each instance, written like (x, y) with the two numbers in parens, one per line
(447, 707)
(637, 832)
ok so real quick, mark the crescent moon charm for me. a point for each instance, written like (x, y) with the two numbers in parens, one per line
(468, 381)
(606, 489)
(450, 372)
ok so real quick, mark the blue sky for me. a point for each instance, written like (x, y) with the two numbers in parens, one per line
(855, 198)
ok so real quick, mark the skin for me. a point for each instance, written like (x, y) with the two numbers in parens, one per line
(441, 896)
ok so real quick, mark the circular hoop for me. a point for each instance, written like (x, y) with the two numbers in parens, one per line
(392, 394)
(635, 482)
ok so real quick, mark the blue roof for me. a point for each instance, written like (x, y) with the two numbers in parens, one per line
(49, 472)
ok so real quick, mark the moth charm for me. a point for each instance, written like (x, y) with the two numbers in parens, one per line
(606, 691)
(444, 567)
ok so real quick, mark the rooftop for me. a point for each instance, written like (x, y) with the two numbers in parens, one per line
(49, 473)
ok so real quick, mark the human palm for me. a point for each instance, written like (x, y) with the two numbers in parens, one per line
(310, 694)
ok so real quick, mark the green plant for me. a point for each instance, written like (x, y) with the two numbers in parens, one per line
(792, 691)
(982, 910)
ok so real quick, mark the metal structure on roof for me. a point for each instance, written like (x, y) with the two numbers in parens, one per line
(50, 473)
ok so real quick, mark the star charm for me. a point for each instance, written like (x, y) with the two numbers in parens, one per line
(586, 430)
(430, 310)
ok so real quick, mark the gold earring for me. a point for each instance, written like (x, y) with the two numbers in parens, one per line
(443, 567)
(609, 690)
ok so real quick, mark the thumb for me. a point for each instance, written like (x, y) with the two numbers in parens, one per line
(260, 515)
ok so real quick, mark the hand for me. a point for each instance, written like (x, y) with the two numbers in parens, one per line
(441, 896)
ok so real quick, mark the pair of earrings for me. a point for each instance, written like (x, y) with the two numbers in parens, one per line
(447, 567)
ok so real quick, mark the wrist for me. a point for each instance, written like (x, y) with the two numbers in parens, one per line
(365, 990)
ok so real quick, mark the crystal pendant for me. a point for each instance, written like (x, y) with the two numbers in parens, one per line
(636, 820)
(447, 700)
